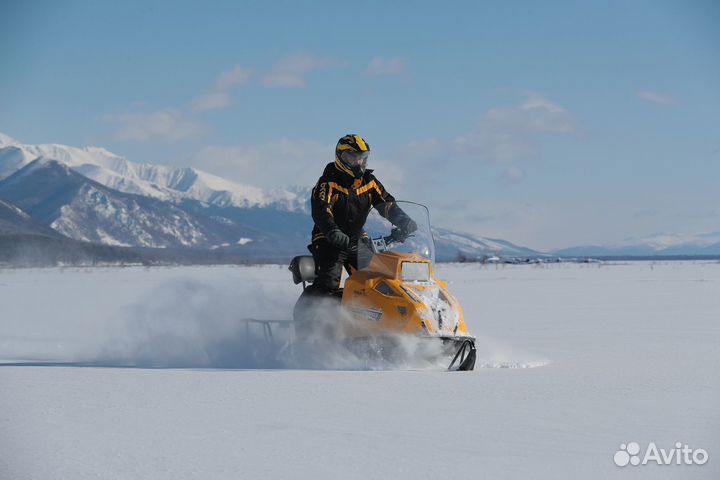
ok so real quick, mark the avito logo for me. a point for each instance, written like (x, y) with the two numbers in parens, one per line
(629, 454)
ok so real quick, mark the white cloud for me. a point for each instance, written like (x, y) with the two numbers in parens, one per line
(536, 115)
(290, 71)
(509, 134)
(657, 98)
(425, 150)
(219, 95)
(380, 66)
(504, 136)
(211, 101)
(234, 77)
(272, 164)
(167, 125)
(513, 175)
(493, 145)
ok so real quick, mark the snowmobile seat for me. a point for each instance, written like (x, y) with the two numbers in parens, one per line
(303, 268)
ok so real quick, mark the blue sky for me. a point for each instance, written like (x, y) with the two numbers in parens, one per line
(546, 123)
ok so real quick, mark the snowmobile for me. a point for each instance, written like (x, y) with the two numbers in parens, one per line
(392, 294)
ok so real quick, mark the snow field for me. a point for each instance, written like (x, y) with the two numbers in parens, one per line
(621, 353)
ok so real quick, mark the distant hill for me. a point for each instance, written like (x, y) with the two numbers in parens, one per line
(451, 246)
(656, 245)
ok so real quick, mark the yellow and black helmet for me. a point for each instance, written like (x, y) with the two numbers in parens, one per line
(352, 152)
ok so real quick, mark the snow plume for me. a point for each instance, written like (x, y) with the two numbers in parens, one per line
(190, 324)
(327, 336)
(185, 318)
(160, 317)
(493, 353)
(193, 318)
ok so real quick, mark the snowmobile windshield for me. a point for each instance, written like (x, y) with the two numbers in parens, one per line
(400, 227)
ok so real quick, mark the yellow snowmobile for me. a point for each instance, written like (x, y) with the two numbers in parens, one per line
(393, 293)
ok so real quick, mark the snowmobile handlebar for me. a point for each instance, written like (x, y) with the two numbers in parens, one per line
(380, 244)
(390, 239)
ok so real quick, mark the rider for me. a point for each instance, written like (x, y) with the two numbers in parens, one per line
(341, 201)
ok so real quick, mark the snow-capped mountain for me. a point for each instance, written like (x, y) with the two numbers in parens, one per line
(82, 209)
(707, 243)
(161, 182)
(450, 245)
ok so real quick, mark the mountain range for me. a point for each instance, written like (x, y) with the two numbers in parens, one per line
(703, 244)
(75, 199)
(91, 196)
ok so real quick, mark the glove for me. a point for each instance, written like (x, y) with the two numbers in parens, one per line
(399, 235)
(338, 239)
(402, 232)
(409, 226)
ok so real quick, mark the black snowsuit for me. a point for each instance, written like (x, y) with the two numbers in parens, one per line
(341, 201)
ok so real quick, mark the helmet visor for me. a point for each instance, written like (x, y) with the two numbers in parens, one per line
(354, 159)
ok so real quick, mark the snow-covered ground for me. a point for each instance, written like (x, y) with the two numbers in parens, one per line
(614, 354)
